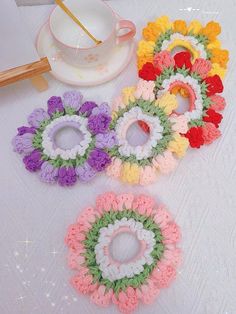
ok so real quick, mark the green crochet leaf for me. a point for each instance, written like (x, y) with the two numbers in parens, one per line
(183, 71)
(70, 111)
(161, 38)
(37, 140)
(202, 39)
(57, 114)
(196, 76)
(193, 123)
(44, 124)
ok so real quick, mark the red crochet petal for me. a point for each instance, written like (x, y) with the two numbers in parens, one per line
(195, 137)
(149, 72)
(213, 117)
(183, 58)
(214, 85)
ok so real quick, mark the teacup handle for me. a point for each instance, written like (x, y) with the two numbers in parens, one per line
(125, 24)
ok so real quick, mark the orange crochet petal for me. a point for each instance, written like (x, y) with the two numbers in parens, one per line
(152, 31)
(211, 30)
(220, 56)
(180, 26)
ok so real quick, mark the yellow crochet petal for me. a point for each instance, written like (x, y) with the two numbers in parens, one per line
(214, 44)
(220, 56)
(152, 31)
(164, 23)
(130, 173)
(180, 26)
(145, 48)
(194, 27)
(217, 69)
(178, 145)
(168, 102)
(211, 30)
(128, 95)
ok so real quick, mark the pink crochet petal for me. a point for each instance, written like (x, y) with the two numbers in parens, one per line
(71, 237)
(180, 123)
(145, 90)
(122, 297)
(114, 169)
(210, 133)
(165, 163)
(163, 60)
(172, 255)
(90, 214)
(162, 217)
(125, 201)
(74, 261)
(106, 202)
(143, 204)
(148, 292)
(83, 284)
(171, 233)
(147, 175)
(218, 102)
(128, 301)
(201, 67)
(101, 297)
(163, 275)
(118, 103)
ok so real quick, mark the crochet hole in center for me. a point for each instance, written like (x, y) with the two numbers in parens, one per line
(124, 247)
(67, 137)
(135, 135)
(183, 104)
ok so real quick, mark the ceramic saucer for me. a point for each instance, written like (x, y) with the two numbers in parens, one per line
(82, 76)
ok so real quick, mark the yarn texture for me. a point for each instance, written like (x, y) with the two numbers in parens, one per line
(125, 284)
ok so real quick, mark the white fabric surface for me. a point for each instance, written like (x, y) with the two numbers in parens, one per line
(200, 194)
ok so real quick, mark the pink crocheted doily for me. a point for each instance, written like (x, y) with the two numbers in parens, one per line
(125, 284)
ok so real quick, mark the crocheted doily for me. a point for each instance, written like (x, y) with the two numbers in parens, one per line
(140, 164)
(201, 41)
(124, 283)
(179, 75)
(37, 141)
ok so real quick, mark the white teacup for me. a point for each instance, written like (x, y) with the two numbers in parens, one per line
(75, 45)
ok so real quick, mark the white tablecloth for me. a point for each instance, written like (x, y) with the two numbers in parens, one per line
(200, 194)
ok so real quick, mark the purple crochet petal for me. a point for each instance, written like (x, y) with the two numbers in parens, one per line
(99, 123)
(22, 144)
(87, 108)
(55, 105)
(72, 99)
(33, 161)
(48, 173)
(25, 129)
(98, 159)
(85, 172)
(67, 176)
(103, 108)
(106, 140)
(37, 117)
